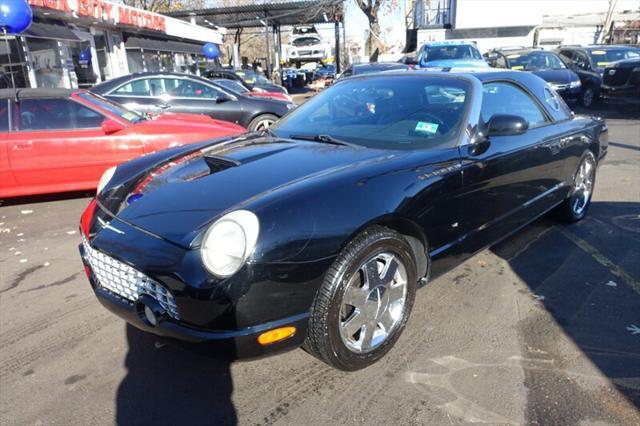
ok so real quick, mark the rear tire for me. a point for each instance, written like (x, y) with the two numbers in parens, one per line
(364, 302)
(262, 122)
(575, 206)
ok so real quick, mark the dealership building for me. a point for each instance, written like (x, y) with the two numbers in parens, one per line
(78, 43)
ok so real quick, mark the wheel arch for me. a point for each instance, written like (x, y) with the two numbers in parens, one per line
(410, 230)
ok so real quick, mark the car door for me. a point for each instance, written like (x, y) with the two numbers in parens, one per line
(193, 96)
(8, 183)
(136, 95)
(59, 145)
(508, 180)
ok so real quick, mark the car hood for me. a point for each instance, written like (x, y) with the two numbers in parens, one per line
(177, 198)
(563, 76)
(456, 63)
(625, 63)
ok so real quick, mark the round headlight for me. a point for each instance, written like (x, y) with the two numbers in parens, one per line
(229, 242)
(104, 180)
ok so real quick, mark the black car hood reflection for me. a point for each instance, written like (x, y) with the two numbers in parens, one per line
(187, 195)
(562, 76)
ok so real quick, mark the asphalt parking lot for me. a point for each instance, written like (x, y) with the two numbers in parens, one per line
(541, 329)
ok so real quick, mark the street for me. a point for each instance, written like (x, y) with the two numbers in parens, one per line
(543, 328)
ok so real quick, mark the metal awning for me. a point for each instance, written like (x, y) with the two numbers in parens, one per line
(57, 32)
(163, 45)
(276, 13)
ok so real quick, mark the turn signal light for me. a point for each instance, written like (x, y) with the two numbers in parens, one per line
(276, 335)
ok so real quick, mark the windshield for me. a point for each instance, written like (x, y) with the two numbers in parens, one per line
(440, 53)
(534, 61)
(602, 58)
(112, 107)
(305, 41)
(403, 112)
(232, 85)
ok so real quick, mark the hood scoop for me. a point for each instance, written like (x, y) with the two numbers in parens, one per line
(218, 164)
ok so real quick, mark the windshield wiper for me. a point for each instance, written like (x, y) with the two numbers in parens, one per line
(321, 138)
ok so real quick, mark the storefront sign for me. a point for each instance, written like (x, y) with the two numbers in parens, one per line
(107, 12)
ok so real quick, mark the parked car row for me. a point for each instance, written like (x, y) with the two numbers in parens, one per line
(585, 74)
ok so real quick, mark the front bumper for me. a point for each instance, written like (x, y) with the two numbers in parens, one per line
(233, 344)
(628, 94)
(129, 268)
(570, 94)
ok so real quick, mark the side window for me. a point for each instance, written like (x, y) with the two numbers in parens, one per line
(501, 62)
(194, 89)
(506, 98)
(56, 114)
(4, 115)
(581, 60)
(134, 88)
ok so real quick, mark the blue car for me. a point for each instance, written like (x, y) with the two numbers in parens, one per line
(451, 54)
(326, 71)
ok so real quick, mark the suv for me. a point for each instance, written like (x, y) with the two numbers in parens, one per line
(546, 65)
(451, 54)
(589, 63)
(621, 82)
(305, 45)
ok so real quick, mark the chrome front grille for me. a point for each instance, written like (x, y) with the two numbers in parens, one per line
(125, 281)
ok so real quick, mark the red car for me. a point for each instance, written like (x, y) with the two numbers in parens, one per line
(237, 88)
(56, 140)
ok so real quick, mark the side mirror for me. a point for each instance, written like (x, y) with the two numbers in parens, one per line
(110, 126)
(223, 98)
(507, 125)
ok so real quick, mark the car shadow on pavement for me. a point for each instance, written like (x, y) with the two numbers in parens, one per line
(587, 277)
(169, 385)
(45, 198)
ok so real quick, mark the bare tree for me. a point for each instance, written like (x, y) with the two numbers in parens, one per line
(370, 9)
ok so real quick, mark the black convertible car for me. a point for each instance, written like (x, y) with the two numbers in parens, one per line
(318, 231)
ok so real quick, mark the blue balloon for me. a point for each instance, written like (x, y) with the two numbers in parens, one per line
(85, 55)
(15, 16)
(210, 50)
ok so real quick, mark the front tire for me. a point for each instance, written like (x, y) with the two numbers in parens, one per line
(575, 206)
(364, 302)
(262, 122)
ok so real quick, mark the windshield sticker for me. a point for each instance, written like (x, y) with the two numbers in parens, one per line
(603, 64)
(518, 67)
(425, 127)
(513, 56)
(598, 52)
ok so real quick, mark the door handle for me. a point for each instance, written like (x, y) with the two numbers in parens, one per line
(164, 106)
(22, 145)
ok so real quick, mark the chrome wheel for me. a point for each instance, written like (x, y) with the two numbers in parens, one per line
(583, 185)
(263, 124)
(373, 303)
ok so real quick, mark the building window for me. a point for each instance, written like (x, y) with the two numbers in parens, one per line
(166, 61)
(151, 60)
(135, 60)
(18, 65)
(84, 71)
(47, 64)
(102, 51)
